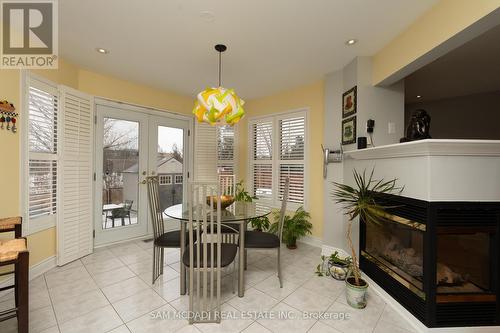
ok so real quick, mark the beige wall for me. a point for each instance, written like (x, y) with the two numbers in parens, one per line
(42, 245)
(311, 97)
(446, 19)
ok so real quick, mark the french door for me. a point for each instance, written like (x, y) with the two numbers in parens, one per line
(131, 144)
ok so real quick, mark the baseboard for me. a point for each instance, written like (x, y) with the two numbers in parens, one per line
(149, 236)
(35, 271)
(310, 240)
(417, 324)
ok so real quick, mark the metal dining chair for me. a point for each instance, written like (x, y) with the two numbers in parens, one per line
(227, 184)
(228, 187)
(206, 254)
(267, 240)
(162, 239)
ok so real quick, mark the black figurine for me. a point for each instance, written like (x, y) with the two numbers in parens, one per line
(419, 126)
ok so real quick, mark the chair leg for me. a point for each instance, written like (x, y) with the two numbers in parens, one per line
(279, 267)
(22, 292)
(154, 264)
(162, 255)
(187, 281)
(235, 274)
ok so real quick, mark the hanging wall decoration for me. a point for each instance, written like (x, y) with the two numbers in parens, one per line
(8, 116)
(218, 105)
(349, 102)
(349, 131)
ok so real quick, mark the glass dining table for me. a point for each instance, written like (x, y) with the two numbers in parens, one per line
(236, 215)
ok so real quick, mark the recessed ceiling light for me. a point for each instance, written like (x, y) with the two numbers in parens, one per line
(351, 41)
(101, 50)
(418, 96)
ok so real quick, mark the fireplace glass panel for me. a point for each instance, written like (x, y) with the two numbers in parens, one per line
(463, 263)
(398, 249)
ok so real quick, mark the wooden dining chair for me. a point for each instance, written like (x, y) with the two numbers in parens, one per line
(206, 254)
(267, 240)
(14, 253)
(162, 239)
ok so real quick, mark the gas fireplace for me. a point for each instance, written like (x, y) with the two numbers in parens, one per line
(440, 260)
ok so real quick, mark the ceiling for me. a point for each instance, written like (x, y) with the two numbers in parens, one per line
(469, 69)
(272, 45)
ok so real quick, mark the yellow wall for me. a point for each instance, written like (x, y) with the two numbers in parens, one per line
(42, 245)
(311, 97)
(126, 91)
(441, 22)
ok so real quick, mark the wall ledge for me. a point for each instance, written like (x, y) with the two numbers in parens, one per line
(429, 147)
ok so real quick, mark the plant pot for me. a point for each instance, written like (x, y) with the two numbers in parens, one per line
(338, 271)
(356, 295)
(292, 244)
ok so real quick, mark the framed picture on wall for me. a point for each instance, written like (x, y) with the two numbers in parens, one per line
(349, 102)
(349, 131)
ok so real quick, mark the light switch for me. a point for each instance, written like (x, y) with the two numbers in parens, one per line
(391, 128)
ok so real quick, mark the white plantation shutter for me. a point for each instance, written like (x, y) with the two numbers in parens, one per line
(43, 188)
(74, 226)
(292, 162)
(214, 151)
(205, 153)
(278, 151)
(226, 154)
(42, 155)
(43, 102)
(262, 156)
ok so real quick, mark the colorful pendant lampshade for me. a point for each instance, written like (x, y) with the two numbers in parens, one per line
(219, 105)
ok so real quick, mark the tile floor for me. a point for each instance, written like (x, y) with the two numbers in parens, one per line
(110, 291)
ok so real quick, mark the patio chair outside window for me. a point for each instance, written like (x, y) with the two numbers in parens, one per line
(122, 213)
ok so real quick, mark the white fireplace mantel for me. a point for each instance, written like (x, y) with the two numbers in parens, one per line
(434, 169)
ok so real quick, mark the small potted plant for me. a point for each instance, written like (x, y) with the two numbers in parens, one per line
(294, 227)
(258, 223)
(338, 266)
(334, 265)
(359, 201)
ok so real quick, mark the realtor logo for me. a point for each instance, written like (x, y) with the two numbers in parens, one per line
(29, 34)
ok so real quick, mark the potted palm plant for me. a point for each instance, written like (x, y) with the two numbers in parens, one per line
(359, 201)
(294, 227)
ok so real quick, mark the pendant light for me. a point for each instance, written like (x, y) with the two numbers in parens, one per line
(219, 106)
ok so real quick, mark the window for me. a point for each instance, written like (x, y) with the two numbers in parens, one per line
(42, 153)
(278, 151)
(165, 179)
(211, 141)
(178, 179)
(225, 150)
